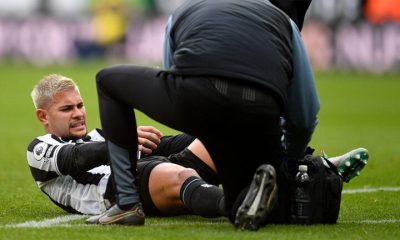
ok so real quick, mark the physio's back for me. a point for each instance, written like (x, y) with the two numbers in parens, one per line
(243, 40)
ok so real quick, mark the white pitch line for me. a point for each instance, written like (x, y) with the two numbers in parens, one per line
(59, 221)
(369, 190)
(62, 222)
(156, 224)
(374, 221)
(46, 223)
(196, 223)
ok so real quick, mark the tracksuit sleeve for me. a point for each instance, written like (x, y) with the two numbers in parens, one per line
(303, 102)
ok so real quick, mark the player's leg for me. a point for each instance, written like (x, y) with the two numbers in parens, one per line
(198, 149)
(187, 151)
(196, 178)
(164, 186)
(170, 189)
(159, 184)
(196, 156)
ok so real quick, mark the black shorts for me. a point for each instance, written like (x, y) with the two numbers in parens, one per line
(172, 144)
(169, 145)
(144, 167)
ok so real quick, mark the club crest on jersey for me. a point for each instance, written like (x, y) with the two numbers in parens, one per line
(40, 150)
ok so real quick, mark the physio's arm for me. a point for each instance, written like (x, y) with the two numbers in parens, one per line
(303, 101)
(168, 60)
(295, 9)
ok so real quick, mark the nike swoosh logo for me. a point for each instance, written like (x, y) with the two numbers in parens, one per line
(115, 218)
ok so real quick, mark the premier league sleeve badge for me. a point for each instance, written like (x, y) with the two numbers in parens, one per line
(40, 150)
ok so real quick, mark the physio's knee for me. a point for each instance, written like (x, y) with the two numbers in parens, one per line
(100, 76)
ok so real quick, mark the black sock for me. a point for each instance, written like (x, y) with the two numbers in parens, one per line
(202, 199)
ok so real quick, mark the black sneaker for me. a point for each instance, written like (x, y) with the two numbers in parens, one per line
(259, 200)
(115, 215)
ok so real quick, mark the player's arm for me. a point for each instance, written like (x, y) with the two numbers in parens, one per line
(81, 157)
(48, 159)
(303, 101)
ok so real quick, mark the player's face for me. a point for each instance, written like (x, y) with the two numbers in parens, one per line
(66, 117)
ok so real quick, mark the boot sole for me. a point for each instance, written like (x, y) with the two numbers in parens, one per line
(352, 167)
(259, 200)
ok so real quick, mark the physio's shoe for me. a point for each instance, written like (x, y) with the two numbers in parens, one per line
(115, 215)
(350, 164)
(259, 200)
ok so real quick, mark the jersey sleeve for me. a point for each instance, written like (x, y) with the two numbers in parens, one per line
(49, 157)
(42, 157)
(74, 158)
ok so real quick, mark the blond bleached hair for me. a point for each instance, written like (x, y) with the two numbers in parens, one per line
(44, 91)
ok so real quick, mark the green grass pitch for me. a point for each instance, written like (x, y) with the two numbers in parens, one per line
(357, 110)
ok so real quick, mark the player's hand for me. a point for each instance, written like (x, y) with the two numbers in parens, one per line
(148, 139)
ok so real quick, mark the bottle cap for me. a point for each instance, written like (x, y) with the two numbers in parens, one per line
(303, 168)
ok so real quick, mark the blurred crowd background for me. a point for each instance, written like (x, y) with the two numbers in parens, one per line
(362, 35)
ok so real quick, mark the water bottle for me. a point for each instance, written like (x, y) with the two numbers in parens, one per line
(301, 208)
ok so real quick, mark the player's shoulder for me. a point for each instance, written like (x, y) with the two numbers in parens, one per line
(48, 139)
(44, 147)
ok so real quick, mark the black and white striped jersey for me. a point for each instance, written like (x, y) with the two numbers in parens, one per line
(54, 168)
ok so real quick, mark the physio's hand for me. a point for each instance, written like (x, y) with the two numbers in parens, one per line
(148, 139)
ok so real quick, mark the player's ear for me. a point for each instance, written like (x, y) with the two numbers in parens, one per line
(41, 114)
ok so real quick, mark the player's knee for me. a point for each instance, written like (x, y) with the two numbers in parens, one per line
(185, 173)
